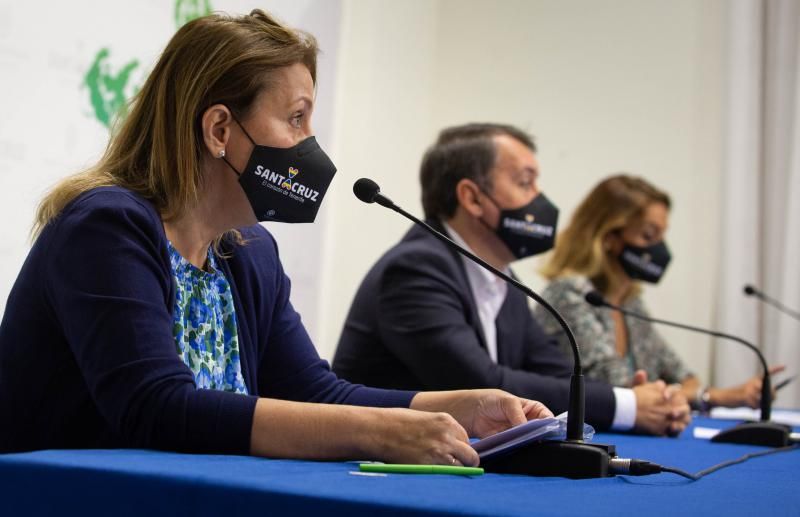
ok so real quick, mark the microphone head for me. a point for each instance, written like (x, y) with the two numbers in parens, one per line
(749, 290)
(595, 298)
(366, 190)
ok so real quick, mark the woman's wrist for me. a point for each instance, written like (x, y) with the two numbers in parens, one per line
(435, 401)
(457, 403)
(375, 432)
(728, 397)
(284, 429)
(703, 400)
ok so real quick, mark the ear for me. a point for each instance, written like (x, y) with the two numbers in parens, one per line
(468, 196)
(613, 243)
(216, 126)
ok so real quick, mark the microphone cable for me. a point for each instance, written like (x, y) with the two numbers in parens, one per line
(634, 467)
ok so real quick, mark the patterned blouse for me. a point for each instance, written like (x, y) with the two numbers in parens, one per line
(204, 324)
(595, 333)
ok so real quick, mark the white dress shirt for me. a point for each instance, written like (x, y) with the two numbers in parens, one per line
(489, 292)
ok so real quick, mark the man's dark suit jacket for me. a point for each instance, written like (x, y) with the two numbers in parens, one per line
(414, 325)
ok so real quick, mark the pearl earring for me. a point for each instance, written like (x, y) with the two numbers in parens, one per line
(222, 153)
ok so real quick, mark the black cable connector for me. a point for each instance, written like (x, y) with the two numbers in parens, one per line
(633, 467)
(629, 467)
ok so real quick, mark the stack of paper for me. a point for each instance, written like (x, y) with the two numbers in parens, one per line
(533, 430)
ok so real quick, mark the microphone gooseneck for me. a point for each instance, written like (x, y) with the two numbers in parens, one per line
(761, 433)
(749, 290)
(368, 191)
(572, 458)
(596, 299)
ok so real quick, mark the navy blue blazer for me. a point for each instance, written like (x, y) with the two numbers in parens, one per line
(414, 325)
(87, 354)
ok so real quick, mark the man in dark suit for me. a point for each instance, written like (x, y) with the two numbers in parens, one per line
(426, 318)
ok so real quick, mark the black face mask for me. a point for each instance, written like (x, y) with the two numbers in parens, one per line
(647, 264)
(286, 184)
(528, 230)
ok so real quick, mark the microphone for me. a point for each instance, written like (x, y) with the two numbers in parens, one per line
(763, 432)
(749, 290)
(369, 192)
(572, 458)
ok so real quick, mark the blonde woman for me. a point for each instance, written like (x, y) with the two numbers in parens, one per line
(143, 318)
(615, 241)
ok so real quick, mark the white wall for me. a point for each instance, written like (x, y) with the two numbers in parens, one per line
(384, 120)
(605, 86)
(48, 128)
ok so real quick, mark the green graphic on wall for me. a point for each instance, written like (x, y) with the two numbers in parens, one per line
(110, 91)
(106, 89)
(188, 10)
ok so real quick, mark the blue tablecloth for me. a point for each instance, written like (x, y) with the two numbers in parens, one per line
(139, 482)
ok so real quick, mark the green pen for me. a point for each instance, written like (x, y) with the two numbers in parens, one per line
(396, 468)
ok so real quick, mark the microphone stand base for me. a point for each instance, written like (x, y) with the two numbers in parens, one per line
(576, 460)
(769, 434)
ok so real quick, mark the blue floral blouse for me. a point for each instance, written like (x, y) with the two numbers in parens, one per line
(204, 324)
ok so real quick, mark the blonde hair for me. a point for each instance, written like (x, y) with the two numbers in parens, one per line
(610, 206)
(157, 150)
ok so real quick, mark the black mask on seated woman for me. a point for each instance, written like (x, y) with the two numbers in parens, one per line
(645, 263)
(286, 184)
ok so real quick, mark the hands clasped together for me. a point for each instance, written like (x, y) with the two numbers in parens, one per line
(661, 409)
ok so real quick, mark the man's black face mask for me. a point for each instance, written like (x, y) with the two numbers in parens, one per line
(530, 229)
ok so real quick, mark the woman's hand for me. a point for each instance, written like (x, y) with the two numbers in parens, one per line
(301, 430)
(438, 426)
(660, 409)
(436, 430)
(483, 412)
(421, 437)
(747, 394)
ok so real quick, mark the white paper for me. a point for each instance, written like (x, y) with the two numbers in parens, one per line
(781, 416)
(510, 438)
(705, 433)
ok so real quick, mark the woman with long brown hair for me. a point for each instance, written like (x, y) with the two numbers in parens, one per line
(614, 241)
(152, 310)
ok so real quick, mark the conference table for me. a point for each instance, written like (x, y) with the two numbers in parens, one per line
(149, 483)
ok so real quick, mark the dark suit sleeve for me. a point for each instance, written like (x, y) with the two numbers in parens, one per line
(545, 354)
(290, 367)
(422, 321)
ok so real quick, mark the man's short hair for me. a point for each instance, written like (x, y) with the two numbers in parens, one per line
(460, 152)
